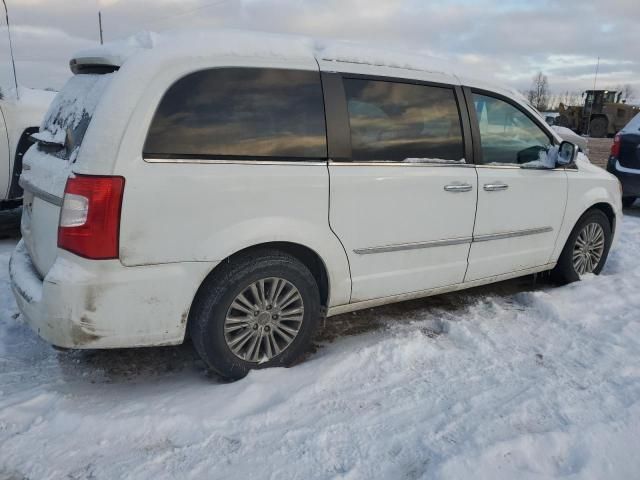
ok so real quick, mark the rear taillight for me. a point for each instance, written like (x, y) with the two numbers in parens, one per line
(90, 216)
(615, 147)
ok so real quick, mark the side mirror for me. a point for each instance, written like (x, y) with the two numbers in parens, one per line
(567, 153)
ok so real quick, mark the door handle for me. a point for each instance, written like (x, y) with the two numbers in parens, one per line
(495, 187)
(458, 187)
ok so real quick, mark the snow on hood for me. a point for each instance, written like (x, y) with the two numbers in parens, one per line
(571, 136)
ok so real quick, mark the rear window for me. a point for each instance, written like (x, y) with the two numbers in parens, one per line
(241, 112)
(70, 113)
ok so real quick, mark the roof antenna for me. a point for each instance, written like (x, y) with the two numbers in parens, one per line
(99, 25)
(593, 98)
(13, 62)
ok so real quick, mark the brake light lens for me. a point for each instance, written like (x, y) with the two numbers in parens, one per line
(615, 147)
(90, 216)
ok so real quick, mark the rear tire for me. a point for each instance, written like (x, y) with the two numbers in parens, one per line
(237, 323)
(577, 248)
(598, 127)
(628, 201)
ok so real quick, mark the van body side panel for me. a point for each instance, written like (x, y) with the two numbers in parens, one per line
(222, 208)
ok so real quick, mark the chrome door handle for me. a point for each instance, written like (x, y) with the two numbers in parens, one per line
(495, 187)
(458, 187)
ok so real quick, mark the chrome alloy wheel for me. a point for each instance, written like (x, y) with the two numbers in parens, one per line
(588, 249)
(264, 319)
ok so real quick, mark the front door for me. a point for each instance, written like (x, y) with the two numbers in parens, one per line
(403, 203)
(520, 204)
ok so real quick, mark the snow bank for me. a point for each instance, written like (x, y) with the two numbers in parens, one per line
(508, 381)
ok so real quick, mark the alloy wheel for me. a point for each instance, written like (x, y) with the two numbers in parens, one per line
(264, 319)
(588, 248)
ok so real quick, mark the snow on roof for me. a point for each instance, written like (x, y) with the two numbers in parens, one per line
(256, 44)
(245, 43)
(203, 42)
(354, 53)
(117, 52)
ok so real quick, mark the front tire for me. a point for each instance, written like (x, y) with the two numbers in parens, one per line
(259, 310)
(599, 127)
(586, 249)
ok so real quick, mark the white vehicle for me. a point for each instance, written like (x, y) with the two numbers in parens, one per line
(18, 120)
(241, 187)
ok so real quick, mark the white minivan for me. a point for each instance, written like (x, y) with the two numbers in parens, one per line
(241, 187)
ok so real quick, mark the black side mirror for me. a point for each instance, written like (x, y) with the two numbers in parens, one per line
(567, 153)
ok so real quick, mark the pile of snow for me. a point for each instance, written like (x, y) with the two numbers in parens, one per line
(508, 381)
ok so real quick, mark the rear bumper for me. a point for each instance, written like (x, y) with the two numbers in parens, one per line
(629, 178)
(103, 304)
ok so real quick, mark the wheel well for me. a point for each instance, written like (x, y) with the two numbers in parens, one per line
(304, 254)
(608, 211)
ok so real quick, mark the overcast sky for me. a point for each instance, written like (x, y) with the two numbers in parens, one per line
(508, 40)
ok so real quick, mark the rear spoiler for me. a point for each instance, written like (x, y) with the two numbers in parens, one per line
(98, 65)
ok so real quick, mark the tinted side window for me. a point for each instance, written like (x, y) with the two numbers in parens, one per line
(507, 134)
(403, 122)
(241, 112)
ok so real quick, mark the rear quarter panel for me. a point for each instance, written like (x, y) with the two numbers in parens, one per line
(206, 212)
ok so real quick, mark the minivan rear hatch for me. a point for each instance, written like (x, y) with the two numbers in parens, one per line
(49, 162)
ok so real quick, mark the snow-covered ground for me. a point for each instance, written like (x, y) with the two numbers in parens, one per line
(517, 380)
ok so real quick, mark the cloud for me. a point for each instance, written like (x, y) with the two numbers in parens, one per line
(509, 40)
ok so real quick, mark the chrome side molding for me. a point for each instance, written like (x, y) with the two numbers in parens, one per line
(451, 241)
(517, 233)
(413, 246)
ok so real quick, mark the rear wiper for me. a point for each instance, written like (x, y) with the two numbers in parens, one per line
(49, 140)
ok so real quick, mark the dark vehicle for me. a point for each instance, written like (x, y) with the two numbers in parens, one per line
(624, 161)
